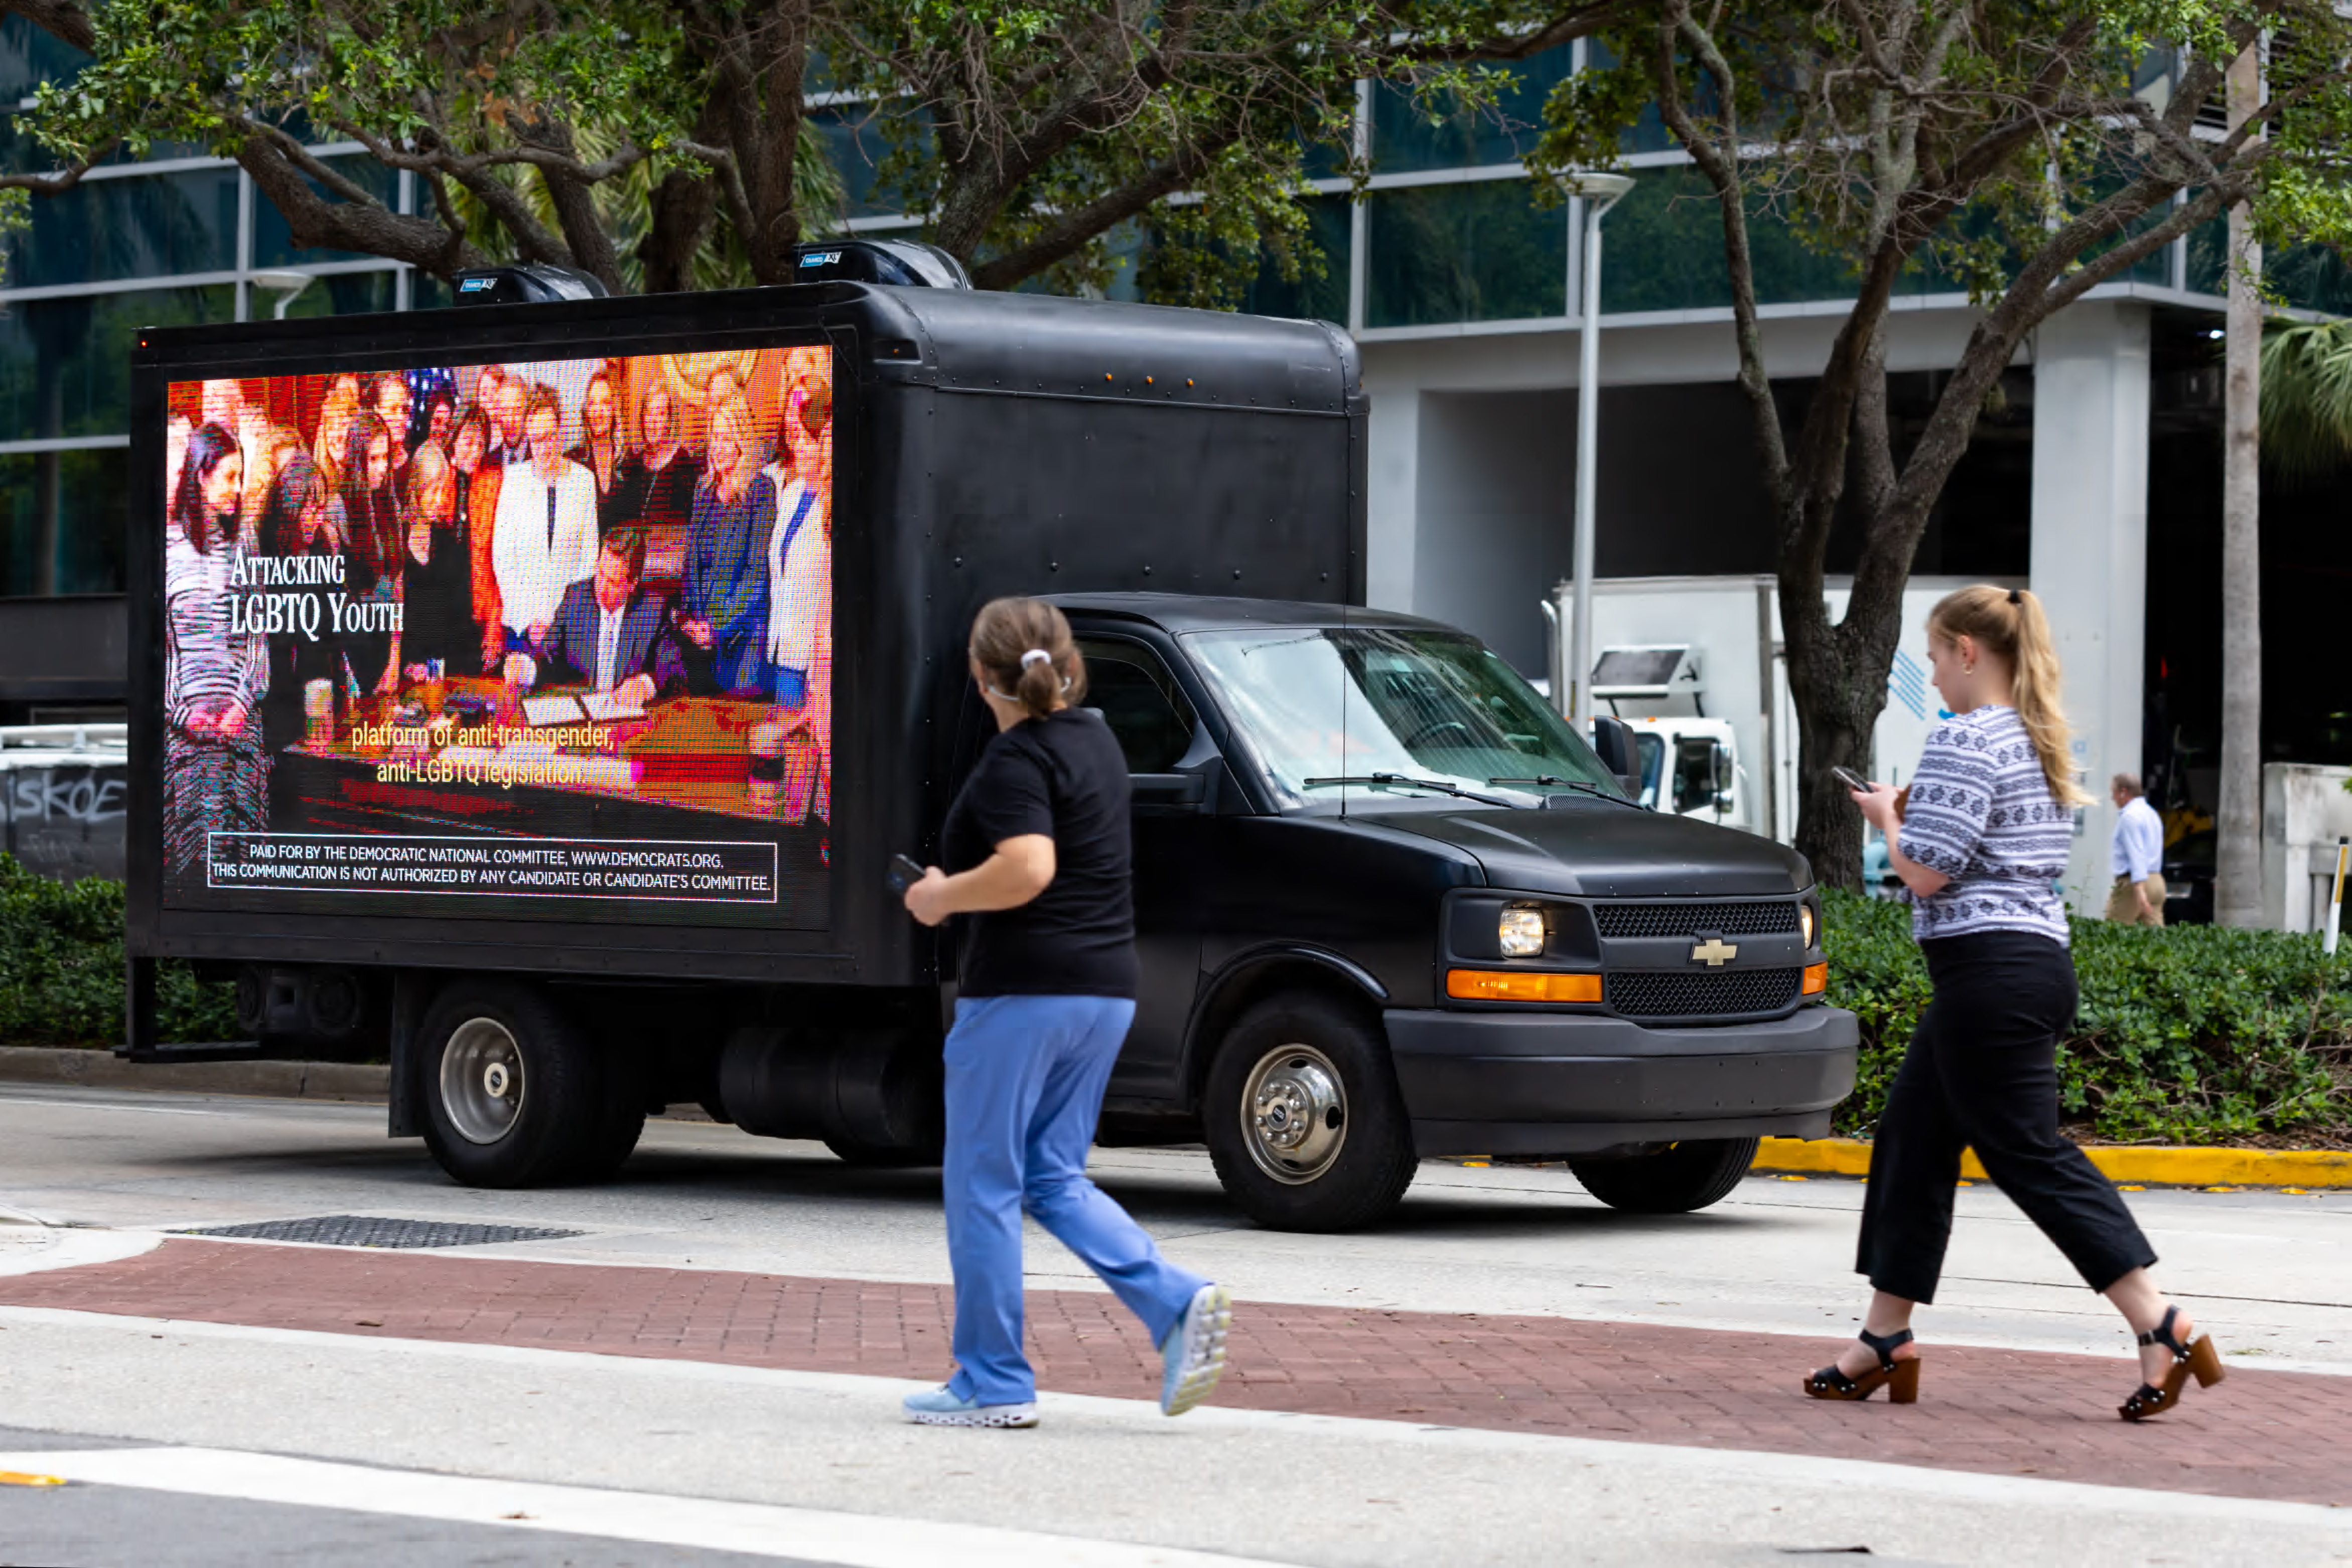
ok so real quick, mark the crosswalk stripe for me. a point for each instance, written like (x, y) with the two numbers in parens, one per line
(813, 1535)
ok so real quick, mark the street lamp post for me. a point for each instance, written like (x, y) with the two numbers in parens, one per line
(287, 285)
(1601, 192)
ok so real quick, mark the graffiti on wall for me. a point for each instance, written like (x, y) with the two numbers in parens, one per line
(65, 820)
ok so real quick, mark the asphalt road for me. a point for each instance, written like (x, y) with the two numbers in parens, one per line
(1104, 1477)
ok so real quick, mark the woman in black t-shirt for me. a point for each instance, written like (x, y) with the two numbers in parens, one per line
(1037, 843)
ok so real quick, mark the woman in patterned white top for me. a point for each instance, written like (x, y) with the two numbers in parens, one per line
(216, 774)
(1980, 844)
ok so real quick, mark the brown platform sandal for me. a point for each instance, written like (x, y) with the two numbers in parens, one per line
(2199, 1358)
(1901, 1377)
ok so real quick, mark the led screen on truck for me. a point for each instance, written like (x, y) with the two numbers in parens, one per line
(549, 638)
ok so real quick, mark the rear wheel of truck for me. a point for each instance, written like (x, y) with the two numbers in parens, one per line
(514, 1095)
(1675, 1179)
(1304, 1119)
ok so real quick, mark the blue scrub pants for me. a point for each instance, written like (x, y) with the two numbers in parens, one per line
(1025, 1087)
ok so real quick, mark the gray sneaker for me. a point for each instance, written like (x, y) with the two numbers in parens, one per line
(1193, 1354)
(941, 1407)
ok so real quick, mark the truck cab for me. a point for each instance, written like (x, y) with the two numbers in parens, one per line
(1390, 905)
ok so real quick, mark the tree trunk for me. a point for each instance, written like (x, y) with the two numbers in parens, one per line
(2238, 871)
(1837, 697)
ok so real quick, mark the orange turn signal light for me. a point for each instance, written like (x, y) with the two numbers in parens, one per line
(1817, 979)
(1521, 986)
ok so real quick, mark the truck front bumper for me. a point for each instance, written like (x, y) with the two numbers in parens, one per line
(1524, 1083)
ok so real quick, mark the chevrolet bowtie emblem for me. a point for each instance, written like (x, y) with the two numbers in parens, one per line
(1715, 952)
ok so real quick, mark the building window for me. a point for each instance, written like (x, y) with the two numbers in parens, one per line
(1323, 298)
(1405, 141)
(146, 226)
(65, 364)
(61, 522)
(1459, 253)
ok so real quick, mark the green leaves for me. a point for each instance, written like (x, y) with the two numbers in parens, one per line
(2193, 1034)
(61, 969)
(2306, 376)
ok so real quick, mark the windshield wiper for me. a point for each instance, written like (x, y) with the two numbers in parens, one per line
(1406, 782)
(1595, 791)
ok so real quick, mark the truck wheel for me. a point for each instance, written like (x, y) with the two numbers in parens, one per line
(1677, 1179)
(622, 1123)
(884, 1156)
(513, 1092)
(1303, 1117)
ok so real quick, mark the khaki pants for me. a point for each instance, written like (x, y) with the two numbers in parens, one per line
(2123, 908)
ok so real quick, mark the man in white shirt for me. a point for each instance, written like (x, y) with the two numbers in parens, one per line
(545, 537)
(2137, 857)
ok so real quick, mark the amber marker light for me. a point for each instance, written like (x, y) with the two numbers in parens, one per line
(1518, 985)
(1817, 979)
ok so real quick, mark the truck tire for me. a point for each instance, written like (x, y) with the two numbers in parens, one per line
(885, 1156)
(1303, 1118)
(513, 1092)
(618, 1128)
(1677, 1180)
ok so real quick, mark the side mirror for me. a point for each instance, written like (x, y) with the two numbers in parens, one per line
(1612, 742)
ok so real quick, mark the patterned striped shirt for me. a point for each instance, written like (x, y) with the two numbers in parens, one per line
(1982, 813)
(207, 664)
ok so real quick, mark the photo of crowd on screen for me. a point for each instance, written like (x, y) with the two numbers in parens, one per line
(655, 527)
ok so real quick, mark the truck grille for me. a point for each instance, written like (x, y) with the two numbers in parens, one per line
(1643, 994)
(1759, 917)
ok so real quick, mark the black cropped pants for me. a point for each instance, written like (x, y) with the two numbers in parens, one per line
(1981, 1073)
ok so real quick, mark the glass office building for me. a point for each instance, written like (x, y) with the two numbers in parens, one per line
(1461, 288)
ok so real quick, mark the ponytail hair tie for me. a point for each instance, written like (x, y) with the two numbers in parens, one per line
(2015, 598)
(1035, 657)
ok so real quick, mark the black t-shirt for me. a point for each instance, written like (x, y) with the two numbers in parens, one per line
(1065, 777)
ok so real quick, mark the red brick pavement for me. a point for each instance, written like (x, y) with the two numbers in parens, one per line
(2260, 1435)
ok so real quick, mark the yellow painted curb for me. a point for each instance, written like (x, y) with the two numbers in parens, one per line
(2157, 1166)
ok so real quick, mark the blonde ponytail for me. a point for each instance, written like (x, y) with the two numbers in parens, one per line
(2008, 622)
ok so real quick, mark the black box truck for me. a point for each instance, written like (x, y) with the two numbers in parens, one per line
(537, 692)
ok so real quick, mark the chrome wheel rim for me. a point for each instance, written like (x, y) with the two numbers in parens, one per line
(1293, 1115)
(482, 1080)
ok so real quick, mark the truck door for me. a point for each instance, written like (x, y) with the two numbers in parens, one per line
(1130, 686)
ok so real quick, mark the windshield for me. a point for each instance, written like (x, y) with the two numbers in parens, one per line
(1321, 705)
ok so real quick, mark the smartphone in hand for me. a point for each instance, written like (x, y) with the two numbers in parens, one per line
(1850, 781)
(905, 873)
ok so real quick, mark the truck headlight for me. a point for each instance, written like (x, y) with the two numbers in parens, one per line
(1521, 931)
(1805, 921)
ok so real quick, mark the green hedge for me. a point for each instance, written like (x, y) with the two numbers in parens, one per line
(61, 969)
(2189, 1035)
(2192, 1035)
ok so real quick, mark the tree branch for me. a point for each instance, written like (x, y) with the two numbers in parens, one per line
(1070, 235)
(278, 166)
(60, 19)
(1722, 172)
(54, 181)
(574, 199)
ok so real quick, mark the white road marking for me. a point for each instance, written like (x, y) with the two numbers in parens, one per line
(37, 1252)
(1838, 1476)
(850, 1540)
(119, 1105)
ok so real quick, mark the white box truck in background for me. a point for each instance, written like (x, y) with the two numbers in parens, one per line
(1697, 666)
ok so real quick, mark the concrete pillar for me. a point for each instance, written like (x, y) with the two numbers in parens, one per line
(2090, 549)
(1393, 515)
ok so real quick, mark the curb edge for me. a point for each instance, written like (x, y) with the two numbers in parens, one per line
(2160, 1167)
